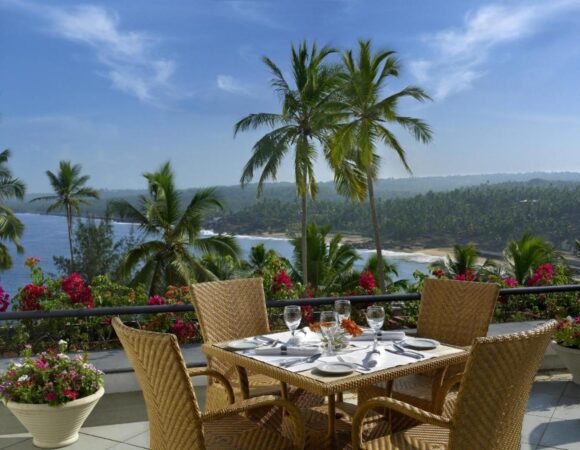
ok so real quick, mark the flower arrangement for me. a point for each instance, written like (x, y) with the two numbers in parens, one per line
(51, 378)
(568, 332)
(349, 328)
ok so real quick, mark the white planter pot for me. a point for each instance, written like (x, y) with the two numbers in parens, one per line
(55, 426)
(571, 359)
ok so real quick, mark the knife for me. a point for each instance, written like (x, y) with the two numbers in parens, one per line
(310, 359)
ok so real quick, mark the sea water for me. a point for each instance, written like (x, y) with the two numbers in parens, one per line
(46, 236)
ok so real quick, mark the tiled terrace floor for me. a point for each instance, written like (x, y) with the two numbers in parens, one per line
(119, 421)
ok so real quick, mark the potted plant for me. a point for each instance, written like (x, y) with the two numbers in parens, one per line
(51, 394)
(567, 345)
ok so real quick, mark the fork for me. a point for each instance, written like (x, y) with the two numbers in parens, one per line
(360, 366)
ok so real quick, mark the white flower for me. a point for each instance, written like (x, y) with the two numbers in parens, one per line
(62, 356)
(17, 364)
(23, 378)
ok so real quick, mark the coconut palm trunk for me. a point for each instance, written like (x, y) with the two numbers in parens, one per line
(69, 224)
(304, 242)
(376, 230)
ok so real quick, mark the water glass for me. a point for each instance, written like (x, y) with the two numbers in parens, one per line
(375, 319)
(342, 308)
(328, 328)
(292, 317)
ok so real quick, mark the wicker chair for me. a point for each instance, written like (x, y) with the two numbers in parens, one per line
(229, 310)
(490, 406)
(453, 312)
(175, 421)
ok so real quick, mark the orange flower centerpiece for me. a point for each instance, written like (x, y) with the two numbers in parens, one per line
(349, 329)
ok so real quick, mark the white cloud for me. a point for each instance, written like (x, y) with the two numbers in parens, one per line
(229, 84)
(461, 53)
(128, 57)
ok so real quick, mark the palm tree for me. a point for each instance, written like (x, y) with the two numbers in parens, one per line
(174, 230)
(259, 258)
(464, 260)
(307, 117)
(329, 260)
(70, 193)
(11, 228)
(353, 151)
(372, 265)
(525, 255)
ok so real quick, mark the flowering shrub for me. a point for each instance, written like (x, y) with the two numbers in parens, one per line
(367, 281)
(4, 300)
(568, 332)
(51, 377)
(79, 293)
(281, 282)
(31, 296)
(157, 300)
(469, 275)
(542, 276)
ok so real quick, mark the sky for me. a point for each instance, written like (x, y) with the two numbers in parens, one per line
(122, 86)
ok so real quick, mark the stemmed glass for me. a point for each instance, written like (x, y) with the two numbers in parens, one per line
(328, 328)
(376, 319)
(342, 308)
(292, 317)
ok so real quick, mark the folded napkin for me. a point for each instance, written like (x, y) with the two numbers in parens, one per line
(287, 350)
(372, 359)
(369, 335)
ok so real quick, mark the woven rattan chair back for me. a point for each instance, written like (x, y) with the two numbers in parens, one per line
(456, 312)
(229, 310)
(495, 388)
(172, 409)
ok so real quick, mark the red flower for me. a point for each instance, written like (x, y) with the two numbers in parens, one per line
(469, 275)
(307, 313)
(542, 275)
(157, 300)
(4, 300)
(78, 292)
(439, 273)
(510, 282)
(30, 296)
(42, 364)
(70, 394)
(367, 281)
(281, 281)
(184, 331)
(50, 396)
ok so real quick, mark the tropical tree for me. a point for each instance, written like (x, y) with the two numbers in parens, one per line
(353, 151)
(11, 228)
(259, 258)
(329, 262)
(306, 118)
(167, 258)
(525, 255)
(372, 265)
(70, 193)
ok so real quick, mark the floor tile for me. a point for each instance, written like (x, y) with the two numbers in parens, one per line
(533, 428)
(119, 433)
(562, 433)
(141, 440)
(568, 408)
(124, 446)
(84, 443)
(7, 441)
(528, 446)
(572, 390)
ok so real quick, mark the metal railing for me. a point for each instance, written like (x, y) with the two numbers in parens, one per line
(156, 309)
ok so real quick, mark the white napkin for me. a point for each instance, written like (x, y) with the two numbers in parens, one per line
(288, 351)
(369, 335)
(372, 359)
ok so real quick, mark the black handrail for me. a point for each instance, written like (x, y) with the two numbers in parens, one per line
(156, 309)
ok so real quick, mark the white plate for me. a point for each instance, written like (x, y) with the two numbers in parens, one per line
(420, 343)
(336, 368)
(244, 344)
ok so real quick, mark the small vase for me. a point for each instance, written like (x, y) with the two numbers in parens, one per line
(55, 426)
(571, 359)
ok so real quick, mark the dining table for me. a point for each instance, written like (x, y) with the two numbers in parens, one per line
(309, 376)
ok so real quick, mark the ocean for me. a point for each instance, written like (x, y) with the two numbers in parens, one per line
(46, 236)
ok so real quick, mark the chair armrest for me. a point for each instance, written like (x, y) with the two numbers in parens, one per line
(439, 398)
(201, 371)
(261, 402)
(395, 405)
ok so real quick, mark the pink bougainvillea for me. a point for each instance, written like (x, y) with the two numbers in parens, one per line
(157, 300)
(30, 296)
(542, 275)
(79, 293)
(510, 282)
(281, 281)
(4, 300)
(469, 275)
(367, 281)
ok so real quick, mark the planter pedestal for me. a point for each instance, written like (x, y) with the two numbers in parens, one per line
(55, 426)
(571, 359)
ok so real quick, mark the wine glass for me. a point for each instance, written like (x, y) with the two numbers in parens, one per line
(292, 317)
(342, 308)
(328, 328)
(376, 319)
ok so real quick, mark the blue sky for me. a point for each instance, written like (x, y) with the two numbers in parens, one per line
(122, 86)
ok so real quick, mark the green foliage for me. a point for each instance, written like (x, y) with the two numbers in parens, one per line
(11, 228)
(524, 255)
(330, 261)
(568, 332)
(95, 250)
(167, 258)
